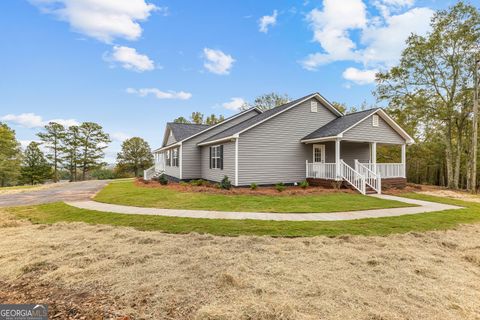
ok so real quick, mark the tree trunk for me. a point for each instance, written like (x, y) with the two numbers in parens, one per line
(458, 158)
(473, 159)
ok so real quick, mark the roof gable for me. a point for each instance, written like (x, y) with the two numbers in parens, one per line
(266, 115)
(182, 131)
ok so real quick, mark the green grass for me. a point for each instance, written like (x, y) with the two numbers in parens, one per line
(127, 193)
(60, 212)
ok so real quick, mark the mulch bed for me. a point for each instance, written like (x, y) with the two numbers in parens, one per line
(62, 304)
(212, 188)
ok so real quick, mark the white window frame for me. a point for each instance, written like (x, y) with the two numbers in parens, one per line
(168, 158)
(322, 153)
(375, 120)
(313, 106)
(216, 157)
(175, 157)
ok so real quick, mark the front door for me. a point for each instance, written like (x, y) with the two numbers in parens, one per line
(318, 153)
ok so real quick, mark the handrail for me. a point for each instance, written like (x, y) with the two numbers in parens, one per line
(149, 173)
(321, 170)
(387, 170)
(371, 178)
(353, 177)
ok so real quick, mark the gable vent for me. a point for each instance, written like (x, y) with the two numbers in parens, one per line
(375, 120)
(313, 106)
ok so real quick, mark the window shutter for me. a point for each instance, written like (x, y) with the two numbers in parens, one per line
(210, 159)
(221, 157)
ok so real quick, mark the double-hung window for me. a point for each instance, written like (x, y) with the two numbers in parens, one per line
(216, 157)
(175, 158)
(169, 158)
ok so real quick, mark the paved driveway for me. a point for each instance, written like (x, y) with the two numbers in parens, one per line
(68, 191)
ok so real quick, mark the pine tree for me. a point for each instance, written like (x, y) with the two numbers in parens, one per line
(93, 142)
(35, 168)
(10, 156)
(52, 140)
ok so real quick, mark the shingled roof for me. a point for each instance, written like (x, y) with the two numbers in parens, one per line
(339, 125)
(254, 120)
(184, 130)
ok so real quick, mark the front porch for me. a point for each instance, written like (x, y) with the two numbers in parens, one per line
(356, 164)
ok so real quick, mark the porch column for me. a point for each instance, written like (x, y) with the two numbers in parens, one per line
(404, 160)
(373, 156)
(337, 159)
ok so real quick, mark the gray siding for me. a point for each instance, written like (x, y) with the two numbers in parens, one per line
(272, 151)
(364, 131)
(171, 171)
(191, 152)
(349, 151)
(228, 163)
(170, 139)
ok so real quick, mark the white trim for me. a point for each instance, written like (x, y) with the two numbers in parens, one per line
(322, 153)
(218, 124)
(170, 146)
(330, 138)
(217, 141)
(236, 162)
(373, 156)
(404, 159)
(337, 159)
(180, 158)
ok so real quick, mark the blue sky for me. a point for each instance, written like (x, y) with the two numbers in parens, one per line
(132, 65)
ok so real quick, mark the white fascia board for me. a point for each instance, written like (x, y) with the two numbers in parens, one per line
(218, 140)
(330, 138)
(168, 147)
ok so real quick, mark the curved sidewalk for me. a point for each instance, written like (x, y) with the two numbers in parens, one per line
(422, 207)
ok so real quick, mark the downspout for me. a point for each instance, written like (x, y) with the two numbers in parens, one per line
(236, 160)
(180, 159)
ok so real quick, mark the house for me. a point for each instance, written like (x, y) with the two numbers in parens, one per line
(304, 139)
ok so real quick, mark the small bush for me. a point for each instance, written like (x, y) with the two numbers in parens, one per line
(280, 186)
(253, 186)
(225, 183)
(183, 183)
(304, 184)
(163, 180)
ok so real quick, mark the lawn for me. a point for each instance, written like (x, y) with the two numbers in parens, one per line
(60, 212)
(127, 193)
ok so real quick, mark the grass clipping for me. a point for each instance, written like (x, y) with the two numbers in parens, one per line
(434, 275)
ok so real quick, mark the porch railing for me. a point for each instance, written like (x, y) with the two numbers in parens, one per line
(371, 178)
(353, 177)
(321, 170)
(149, 173)
(387, 170)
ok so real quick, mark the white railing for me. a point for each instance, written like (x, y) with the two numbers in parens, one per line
(387, 170)
(149, 173)
(371, 178)
(321, 170)
(159, 166)
(353, 177)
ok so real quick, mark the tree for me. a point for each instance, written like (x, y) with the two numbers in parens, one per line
(70, 150)
(135, 156)
(181, 120)
(52, 138)
(267, 101)
(213, 119)
(92, 143)
(196, 117)
(10, 156)
(433, 81)
(35, 168)
(340, 106)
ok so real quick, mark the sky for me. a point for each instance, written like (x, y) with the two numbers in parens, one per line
(133, 65)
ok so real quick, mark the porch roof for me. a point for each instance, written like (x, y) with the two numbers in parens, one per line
(339, 125)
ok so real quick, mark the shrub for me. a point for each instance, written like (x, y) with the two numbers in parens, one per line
(103, 174)
(163, 180)
(183, 183)
(253, 186)
(304, 184)
(225, 183)
(280, 186)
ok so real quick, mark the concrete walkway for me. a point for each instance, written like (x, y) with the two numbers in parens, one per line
(423, 206)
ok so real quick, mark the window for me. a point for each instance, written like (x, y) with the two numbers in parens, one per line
(319, 153)
(175, 158)
(375, 120)
(313, 106)
(216, 157)
(171, 133)
(169, 158)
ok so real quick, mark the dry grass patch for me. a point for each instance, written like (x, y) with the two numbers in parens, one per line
(432, 275)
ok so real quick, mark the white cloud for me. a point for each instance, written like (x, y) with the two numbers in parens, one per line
(360, 76)
(130, 59)
(143, 92)
(120, 136)
(267, 21)
(104, 20)
(380, 39)
(234, 104)
(217, 62)
(32, 120)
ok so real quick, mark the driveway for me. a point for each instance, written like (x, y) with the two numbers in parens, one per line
(68, 191)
